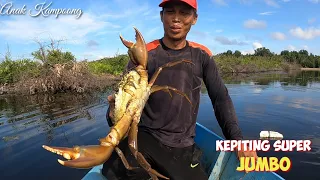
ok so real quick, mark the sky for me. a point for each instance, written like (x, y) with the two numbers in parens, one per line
(222, 25)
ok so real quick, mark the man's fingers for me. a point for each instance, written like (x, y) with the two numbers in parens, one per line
(247, 154)
(111, 98)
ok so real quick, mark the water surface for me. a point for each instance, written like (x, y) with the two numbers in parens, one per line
(289, 104)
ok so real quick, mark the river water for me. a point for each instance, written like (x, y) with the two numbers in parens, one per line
(287, 103)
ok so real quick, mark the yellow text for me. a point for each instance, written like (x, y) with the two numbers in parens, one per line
(264, 164)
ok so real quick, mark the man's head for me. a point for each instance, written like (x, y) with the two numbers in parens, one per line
(177, 17)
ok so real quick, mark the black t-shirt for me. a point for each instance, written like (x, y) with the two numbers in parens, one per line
(172, 120)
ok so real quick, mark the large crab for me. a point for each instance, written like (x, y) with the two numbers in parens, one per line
(130, 99)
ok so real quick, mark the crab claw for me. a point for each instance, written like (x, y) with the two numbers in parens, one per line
(137, 51)
(82, 157)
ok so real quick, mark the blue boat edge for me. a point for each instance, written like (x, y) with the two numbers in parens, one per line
(220, 165)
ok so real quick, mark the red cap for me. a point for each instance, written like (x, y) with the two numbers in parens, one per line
(192, 3)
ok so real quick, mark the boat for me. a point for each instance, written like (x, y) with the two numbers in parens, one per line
(220, 165)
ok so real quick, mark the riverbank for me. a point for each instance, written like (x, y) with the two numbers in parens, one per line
(54, 85)
(83, 78)
(30, 77)
(253, 64)
(310, 69)
(61, 78)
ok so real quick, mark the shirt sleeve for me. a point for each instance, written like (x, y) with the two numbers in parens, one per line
(222, 104)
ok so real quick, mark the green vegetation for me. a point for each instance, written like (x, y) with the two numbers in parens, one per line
(54, 56)
(246, 64)
(302, 57)
(264, 60)
(114, 65)
(14, 71)
(53, 70)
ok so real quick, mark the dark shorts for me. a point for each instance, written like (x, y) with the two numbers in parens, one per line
(174, 163)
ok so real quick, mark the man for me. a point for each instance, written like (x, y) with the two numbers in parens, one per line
(167, 126)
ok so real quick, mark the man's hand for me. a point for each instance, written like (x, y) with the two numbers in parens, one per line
(243, 153)
(111, 100)
(247, 153)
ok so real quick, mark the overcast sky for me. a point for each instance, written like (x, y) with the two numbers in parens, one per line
(222, 24)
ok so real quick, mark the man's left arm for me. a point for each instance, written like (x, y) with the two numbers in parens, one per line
(222, 104)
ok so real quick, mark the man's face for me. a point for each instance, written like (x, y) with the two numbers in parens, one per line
(177, 19)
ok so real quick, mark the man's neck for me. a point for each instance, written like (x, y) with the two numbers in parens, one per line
(174, 44)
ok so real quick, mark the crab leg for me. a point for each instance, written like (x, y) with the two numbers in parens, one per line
(170, 64)
(133, 145)
(124, 160)
(167, 89)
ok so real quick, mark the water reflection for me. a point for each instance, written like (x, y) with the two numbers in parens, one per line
(293, 78)
(32, 115)
(28, 122)
(278, 99)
